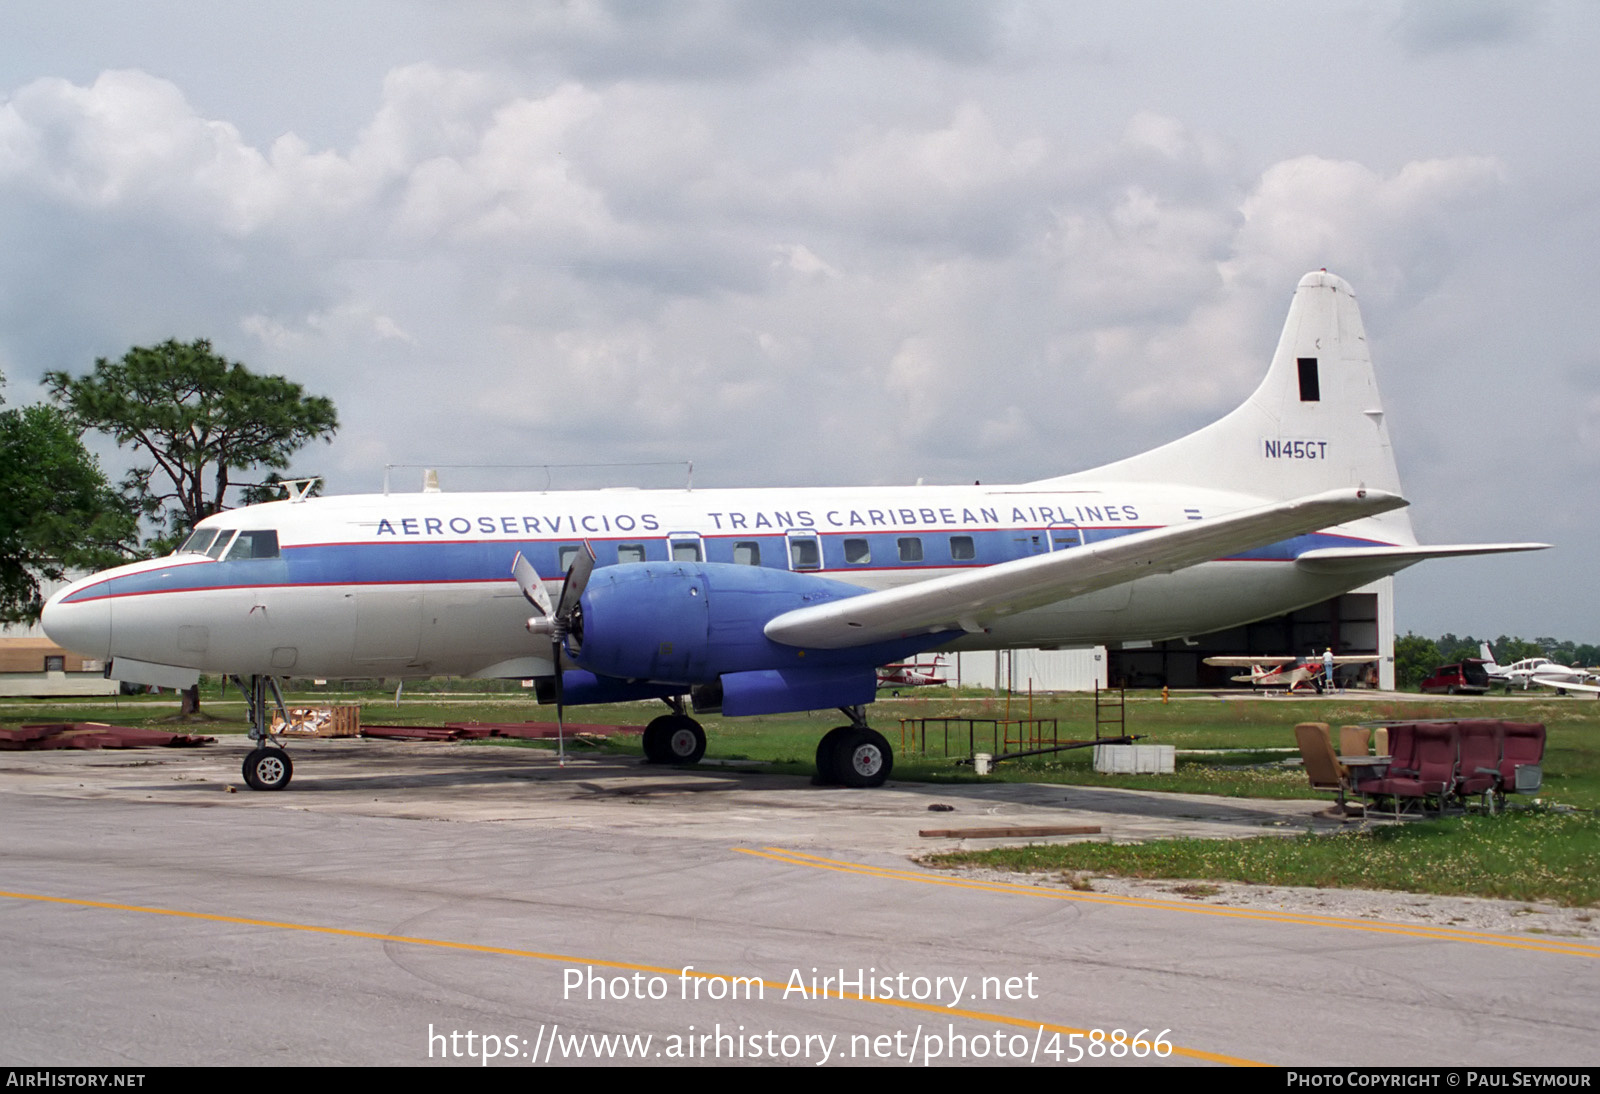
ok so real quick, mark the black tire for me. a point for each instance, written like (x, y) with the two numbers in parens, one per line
(674, 739)
(828, 754)
(267, 769)
(863, 759)
(654, 734)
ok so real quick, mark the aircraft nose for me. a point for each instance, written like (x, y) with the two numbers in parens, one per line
(79, 624)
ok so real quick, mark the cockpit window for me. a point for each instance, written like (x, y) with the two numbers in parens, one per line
(198, 541)
(261, 544)
(224, 538)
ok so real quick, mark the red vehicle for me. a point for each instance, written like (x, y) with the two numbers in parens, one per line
(1465, 678)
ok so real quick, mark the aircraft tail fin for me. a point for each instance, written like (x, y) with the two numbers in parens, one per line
(1315, 423)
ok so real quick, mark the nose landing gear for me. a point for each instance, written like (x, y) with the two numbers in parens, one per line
(267, 767)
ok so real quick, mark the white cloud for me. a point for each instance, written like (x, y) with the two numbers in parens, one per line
(1311, 212)
(961, 182)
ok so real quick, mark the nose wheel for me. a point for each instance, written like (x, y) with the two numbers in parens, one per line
(267, 769)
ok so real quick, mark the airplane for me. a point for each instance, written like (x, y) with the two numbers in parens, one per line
(913, 674)
(1287, 671)
(766, 601)
(1539, 672)
(1519, 672)
(1530, 671)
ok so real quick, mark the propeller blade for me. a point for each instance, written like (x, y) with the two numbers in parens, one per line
(577, 580)
(532, 588)
(561, 735)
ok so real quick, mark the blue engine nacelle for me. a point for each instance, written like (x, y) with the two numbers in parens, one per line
(696, 622)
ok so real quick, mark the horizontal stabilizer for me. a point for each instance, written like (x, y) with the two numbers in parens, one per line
(970, 600)
(1335, 560)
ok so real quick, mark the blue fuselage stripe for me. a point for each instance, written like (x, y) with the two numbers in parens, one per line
(416, 563)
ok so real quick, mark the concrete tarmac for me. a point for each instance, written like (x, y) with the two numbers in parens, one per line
(442, 903)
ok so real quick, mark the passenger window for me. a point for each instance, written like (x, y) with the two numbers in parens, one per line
(857, 552)
(685, 550)
(221, 544)
(910, 548)
(565, 555)
(198, 541)
(630, 552)
(962, 549)
(747, 553)
(262, 544)
(804, 554)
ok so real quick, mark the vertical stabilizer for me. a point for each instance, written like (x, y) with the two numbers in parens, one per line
(1316, 422)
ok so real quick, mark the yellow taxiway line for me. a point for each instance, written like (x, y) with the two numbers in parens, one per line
(1450, 934)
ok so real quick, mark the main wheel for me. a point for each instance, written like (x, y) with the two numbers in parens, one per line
(267, 769)
(674, 739)
(828, 754)
(863, 759)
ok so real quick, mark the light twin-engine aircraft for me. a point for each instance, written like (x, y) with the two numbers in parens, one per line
(765, 601)
(1539, 672)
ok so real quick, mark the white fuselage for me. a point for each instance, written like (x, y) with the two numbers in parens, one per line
(420, 584)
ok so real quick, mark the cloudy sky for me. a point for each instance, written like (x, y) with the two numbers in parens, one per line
(837, 242)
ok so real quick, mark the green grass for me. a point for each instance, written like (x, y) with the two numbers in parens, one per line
(1517, 855)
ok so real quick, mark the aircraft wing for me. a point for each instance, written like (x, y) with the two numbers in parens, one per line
(1333, 560)
(1566, 685)
(970, 599)
(1248, 662)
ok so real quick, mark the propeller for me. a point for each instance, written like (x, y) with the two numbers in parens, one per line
(558, 622)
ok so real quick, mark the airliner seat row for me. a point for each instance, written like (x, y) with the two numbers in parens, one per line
(1430, 764)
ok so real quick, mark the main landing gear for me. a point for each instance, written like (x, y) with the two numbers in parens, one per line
(855, 755)
(267, 766)
(674, 738)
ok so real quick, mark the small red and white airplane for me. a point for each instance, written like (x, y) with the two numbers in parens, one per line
(1289, 672)
(915, 673)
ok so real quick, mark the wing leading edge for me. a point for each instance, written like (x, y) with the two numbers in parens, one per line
(969, 600)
